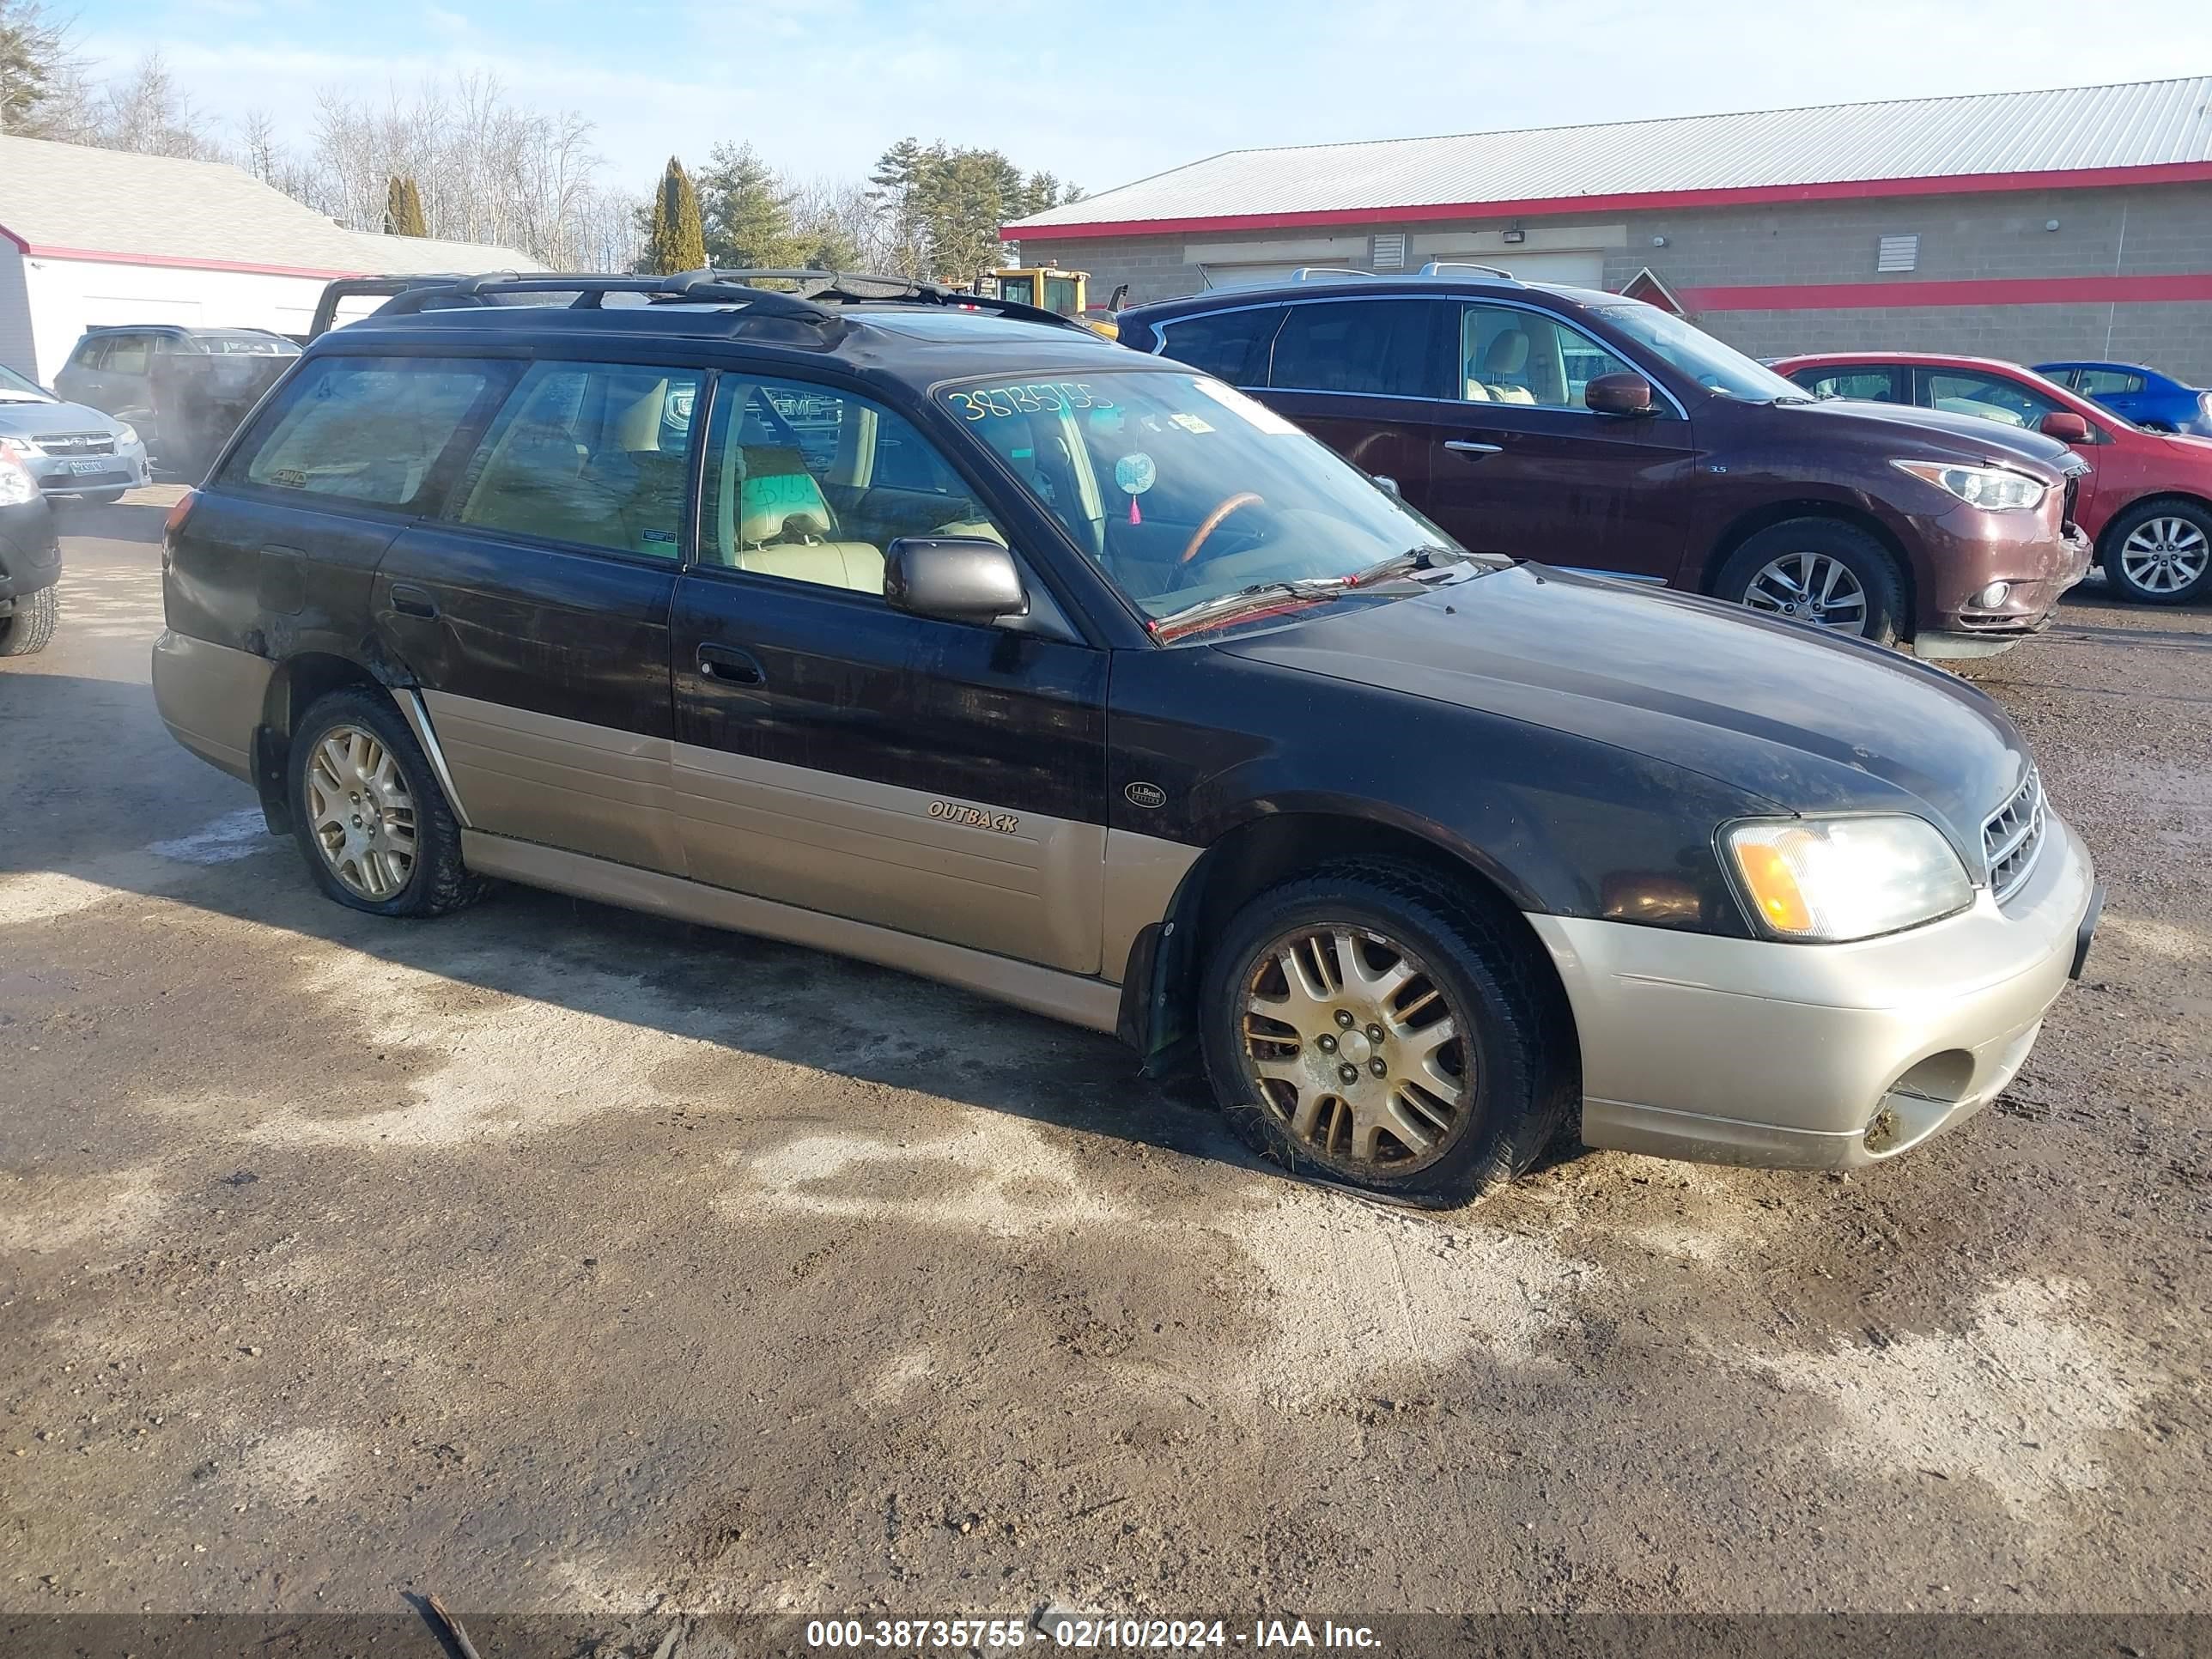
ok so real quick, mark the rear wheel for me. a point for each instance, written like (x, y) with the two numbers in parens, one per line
(1372, 1025)
(1820, 571)
(2160, 552)
(32, 626)
(377, 832)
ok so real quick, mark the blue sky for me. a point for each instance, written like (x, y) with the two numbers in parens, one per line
(821, 88)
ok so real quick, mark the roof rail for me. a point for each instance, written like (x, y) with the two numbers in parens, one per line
(1322, 273)
(590, 289)
(1444, 267)
(863, 286)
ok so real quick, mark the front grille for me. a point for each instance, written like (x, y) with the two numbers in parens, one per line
(76, 443)
(2013, 835)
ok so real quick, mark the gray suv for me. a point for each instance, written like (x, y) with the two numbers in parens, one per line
(67, 448)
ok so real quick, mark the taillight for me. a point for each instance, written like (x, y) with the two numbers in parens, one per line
(178, 514)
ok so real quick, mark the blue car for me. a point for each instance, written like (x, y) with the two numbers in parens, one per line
(2144, 396)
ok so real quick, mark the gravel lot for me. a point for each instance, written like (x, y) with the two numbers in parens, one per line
(561, 1260)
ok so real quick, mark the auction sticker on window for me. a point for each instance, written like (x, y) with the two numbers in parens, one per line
(1135, 473)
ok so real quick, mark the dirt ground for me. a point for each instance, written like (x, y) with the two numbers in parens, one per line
(559, 1260)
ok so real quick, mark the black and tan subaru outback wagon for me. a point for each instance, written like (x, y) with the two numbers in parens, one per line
(938, 632)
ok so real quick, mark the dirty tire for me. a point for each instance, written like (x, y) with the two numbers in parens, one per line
(439, 881)
(1526, 1075)
(32, 625)
(2186, 515)
(1859, 553)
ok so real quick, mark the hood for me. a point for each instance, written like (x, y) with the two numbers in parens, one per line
(29, 420)
(1936, 434)
(1805, 721)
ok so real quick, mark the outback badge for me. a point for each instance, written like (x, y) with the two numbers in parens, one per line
(1141, 794)
(974, 816)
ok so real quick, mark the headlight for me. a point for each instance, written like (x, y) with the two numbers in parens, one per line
(125, 434)
(18, 447)
(16, 485)
(1843, 879)
(1995, 487)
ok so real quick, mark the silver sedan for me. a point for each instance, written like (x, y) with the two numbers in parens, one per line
(71, 450)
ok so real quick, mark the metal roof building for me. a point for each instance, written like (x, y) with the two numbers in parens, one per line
(91, 236)
(1785, 229)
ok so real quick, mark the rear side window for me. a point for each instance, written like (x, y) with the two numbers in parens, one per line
(595, 453)
(127, 354)
(1379, 347)
(2108, 383)
(1866, 385)
(364, 429)
(1230, 345)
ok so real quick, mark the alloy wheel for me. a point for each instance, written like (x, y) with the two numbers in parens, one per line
(2165, 554)
(362, 813)
(1353, 1044)
(1810, 588)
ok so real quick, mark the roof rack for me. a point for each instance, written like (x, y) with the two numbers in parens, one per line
(815, 299)
(1323, 273)
(1444, 267)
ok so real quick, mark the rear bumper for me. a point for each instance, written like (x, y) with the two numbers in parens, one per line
(1795, 1056)
(211, 698)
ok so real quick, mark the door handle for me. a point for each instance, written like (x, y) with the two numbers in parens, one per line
(410, 601)
(728, 663)
(1468, 447)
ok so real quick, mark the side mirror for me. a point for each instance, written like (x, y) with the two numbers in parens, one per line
(2067, 426)
(1620, 393)
(953, 579)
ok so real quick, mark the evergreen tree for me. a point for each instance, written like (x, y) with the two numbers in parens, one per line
(403, 209)
(747, 210)
(675, 240)
(34, 63)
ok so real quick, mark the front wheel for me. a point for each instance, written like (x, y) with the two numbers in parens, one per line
(377, 832)
(1370, 1024)
(1819, 572)
(32, 626)
(2160, 552)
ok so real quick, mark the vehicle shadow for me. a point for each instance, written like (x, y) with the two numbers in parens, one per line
(114, 521)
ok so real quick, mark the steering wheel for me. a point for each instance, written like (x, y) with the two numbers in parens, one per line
(1213, 522)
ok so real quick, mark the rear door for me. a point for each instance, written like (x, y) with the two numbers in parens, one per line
(2119, 390)
(533, 605)
(944, 778)
(1520, 466)
(1365, 376)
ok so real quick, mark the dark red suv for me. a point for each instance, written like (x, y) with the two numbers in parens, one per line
(1589, 430)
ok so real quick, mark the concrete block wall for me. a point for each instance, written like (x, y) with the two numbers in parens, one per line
(2139, 231)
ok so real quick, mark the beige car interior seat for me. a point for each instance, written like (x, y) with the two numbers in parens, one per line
(1507, 355)
(771, 517)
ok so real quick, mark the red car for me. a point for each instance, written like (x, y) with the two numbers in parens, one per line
(2148, 501)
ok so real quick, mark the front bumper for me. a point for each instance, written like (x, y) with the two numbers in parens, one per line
(1816, 1056)
(2038, 555)
(73, 475)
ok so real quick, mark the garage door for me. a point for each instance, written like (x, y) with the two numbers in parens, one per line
(1246, 276)
(1569, 270)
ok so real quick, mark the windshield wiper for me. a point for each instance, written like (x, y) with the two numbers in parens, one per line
(1429, 556)
(1223, 607)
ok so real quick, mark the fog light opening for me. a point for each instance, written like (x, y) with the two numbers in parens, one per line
(1993, 596)
(1881, 1133)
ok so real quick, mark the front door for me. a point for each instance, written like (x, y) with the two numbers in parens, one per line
(1520, 465)
(939, 778)
(533, 605)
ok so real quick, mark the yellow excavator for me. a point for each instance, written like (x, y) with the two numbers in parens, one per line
(1066, 292)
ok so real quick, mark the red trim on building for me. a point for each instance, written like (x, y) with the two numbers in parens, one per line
(2002, 291)
(1844, 189)
(21, 246)
(177, 262)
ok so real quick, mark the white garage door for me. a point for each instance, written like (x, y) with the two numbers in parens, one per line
(1576, 269)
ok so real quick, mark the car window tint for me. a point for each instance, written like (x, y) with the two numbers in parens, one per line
(594, 454)
(1508, 356)
(811, 484)
(1870, 386)
(363, 428)
(1991, 397)
(2109, 382)
(1379, 347)
(127, 354)
(1231, 345)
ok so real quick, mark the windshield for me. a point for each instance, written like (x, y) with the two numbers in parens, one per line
(15, 389)
(1716, 367)
(1183, 491)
